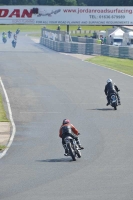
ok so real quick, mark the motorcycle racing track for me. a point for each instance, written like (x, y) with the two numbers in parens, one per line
(44, 87)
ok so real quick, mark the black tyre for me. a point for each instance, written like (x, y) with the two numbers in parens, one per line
(79, 153)
(115, 107)
(71, 151)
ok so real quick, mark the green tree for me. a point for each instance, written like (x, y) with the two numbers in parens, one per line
(32, 2)
(83, 2)
(22, 2)
(70, 3)
(5, 2)
(66, 2)
(46, 2)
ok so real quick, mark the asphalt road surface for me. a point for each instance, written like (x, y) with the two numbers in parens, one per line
(44, 87)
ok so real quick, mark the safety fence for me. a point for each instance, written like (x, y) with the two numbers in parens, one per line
(88, 48)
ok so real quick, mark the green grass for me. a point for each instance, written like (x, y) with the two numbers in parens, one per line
(35, 34)
(64, 27)
(23, 28)
(2, 147)
(122, 65)
(35, 28)
(3, 117)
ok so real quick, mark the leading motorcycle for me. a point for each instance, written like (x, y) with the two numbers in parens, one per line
(114, 101)
(17, 31)
(72, 148)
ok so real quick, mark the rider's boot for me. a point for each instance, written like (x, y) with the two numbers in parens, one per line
(107, 104)
(108, 101)
(79, 145)
(66, 151)
(119, 102)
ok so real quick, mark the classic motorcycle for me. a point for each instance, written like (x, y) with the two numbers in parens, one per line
(114, 101)
(9, 34)
(72, 148)
(4, 39)
(14, 42)
(17, 31)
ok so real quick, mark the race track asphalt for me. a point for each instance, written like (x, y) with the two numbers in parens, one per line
(44, 87)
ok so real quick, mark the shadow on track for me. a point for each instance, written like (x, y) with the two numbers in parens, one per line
(102, 109)
(56, 160)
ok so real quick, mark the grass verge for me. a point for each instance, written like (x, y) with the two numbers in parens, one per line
(3, 117)
(119, 64)
(2, 147)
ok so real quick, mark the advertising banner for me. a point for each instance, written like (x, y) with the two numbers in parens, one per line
(69, 15)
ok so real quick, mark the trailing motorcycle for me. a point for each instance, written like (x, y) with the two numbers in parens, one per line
(114, 101)
(72, 148)
(4, 39)
(9, 34)
(14, 42)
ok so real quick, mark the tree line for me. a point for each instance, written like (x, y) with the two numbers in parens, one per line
(69, 2)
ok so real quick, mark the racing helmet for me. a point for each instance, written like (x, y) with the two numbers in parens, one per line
(109, 80)
(66, 121)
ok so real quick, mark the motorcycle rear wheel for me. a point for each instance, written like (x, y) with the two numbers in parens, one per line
(71, 151)
(115, 107)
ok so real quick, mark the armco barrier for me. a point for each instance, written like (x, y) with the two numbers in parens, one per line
(123, 52)
(114, 51)
(74, 48)
(97, 48)
(105, 50)
(130, 53)
(81, 48)
(88, 48)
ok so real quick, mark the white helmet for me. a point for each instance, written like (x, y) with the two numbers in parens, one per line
(109, 80)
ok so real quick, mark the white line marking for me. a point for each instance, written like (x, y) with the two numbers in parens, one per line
(97, 64)
(11, 119)
(40, 112)
(109, 68)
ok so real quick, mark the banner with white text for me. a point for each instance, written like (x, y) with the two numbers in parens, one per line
(69, 15)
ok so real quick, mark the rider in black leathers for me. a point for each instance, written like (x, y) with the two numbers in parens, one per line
(111, 88)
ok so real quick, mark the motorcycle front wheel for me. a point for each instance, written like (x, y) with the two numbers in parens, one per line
(79, 153)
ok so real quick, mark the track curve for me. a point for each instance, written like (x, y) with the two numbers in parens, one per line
(44, 87)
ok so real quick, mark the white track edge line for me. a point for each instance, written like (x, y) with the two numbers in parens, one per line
(11, 119)
(84, 60)
(106, 67)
